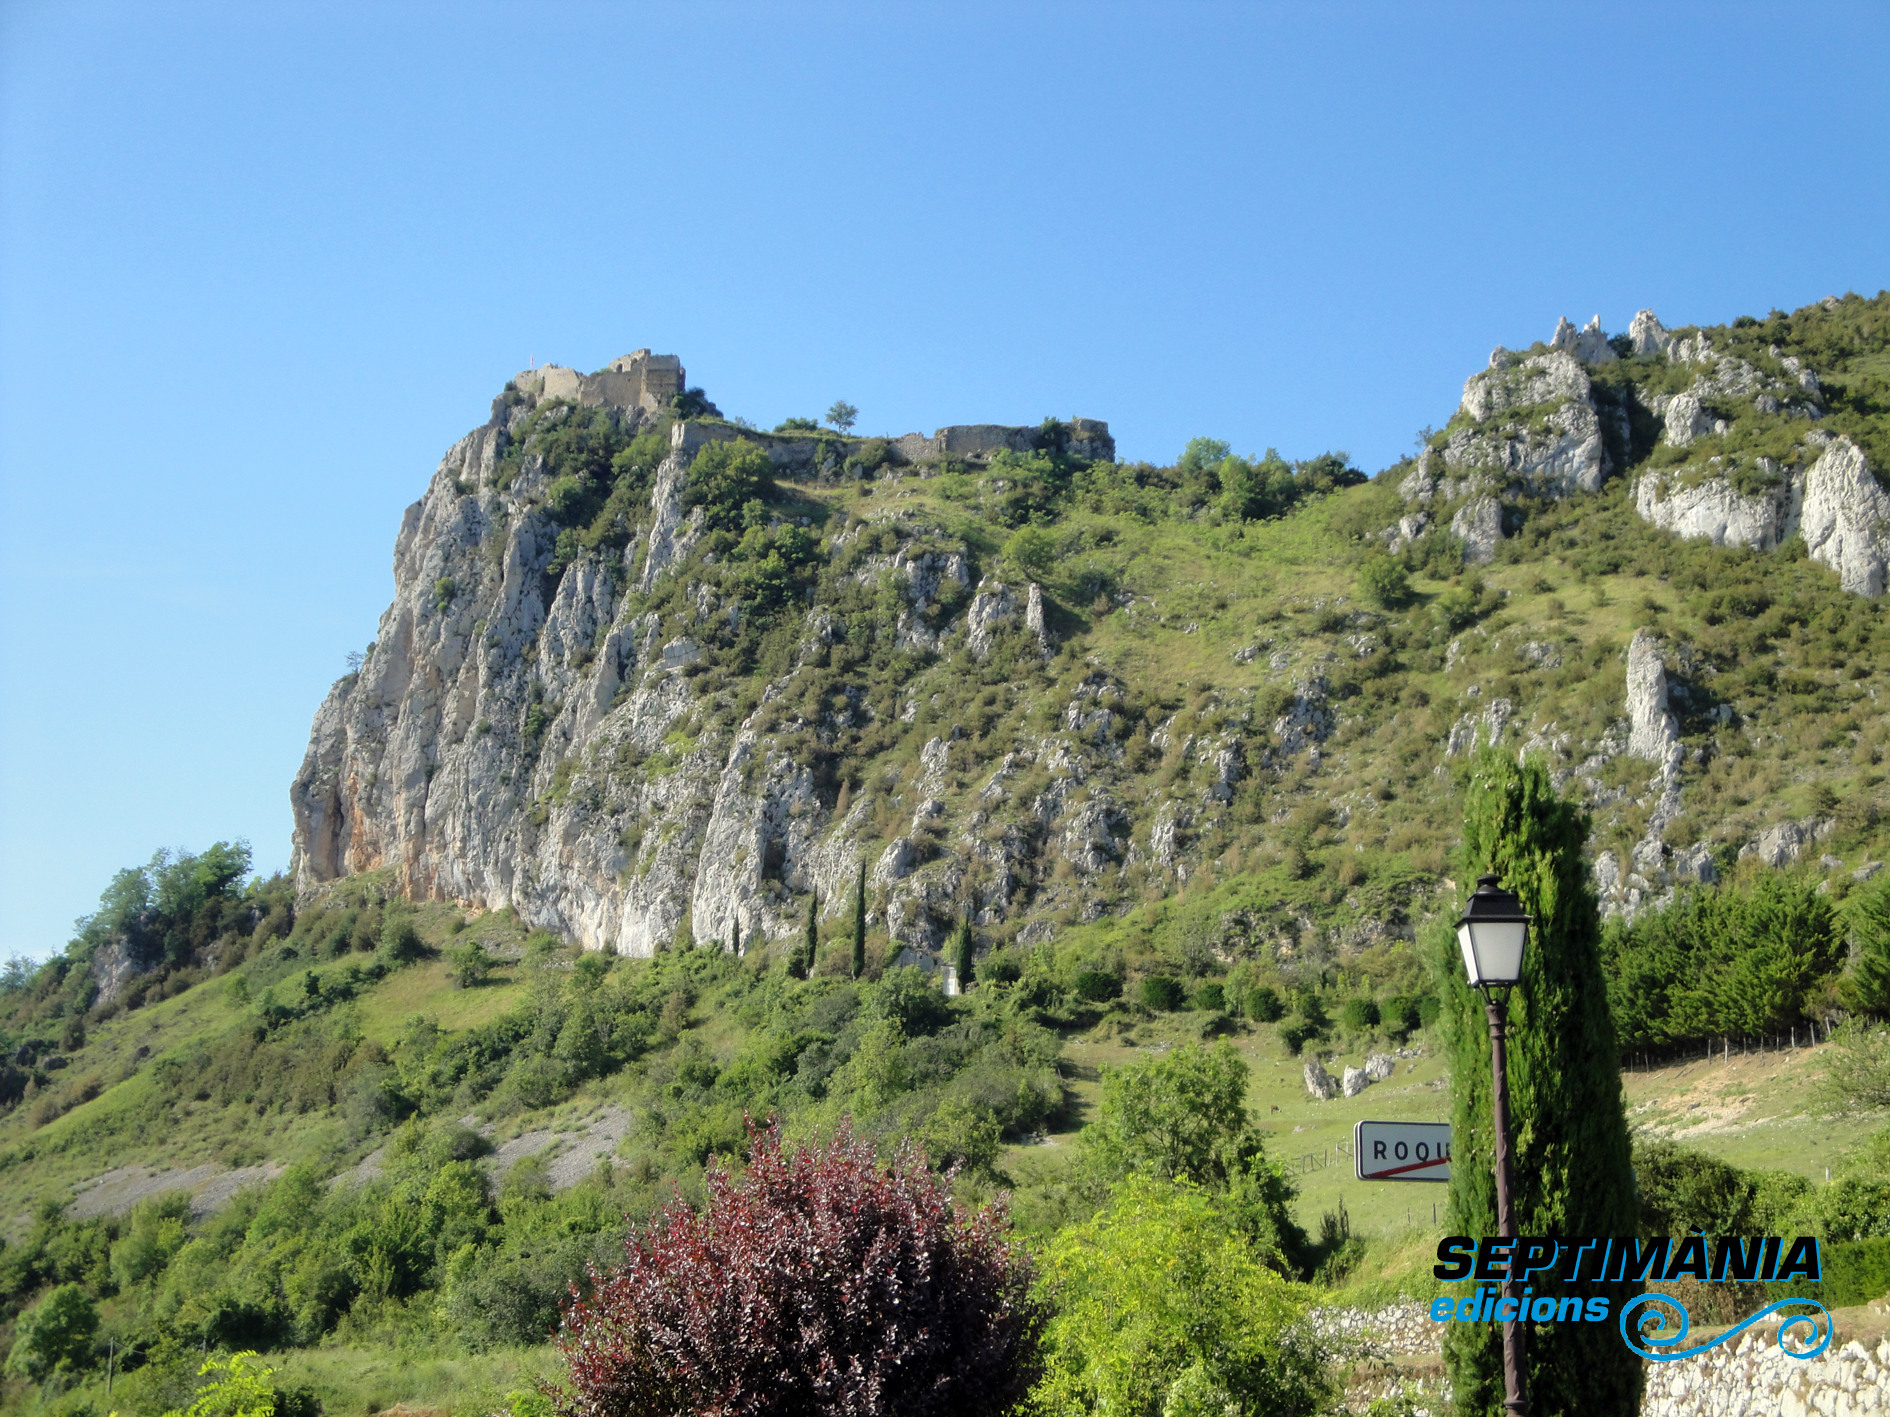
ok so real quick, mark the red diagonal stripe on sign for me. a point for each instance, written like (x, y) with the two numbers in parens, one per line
(1414, 1166)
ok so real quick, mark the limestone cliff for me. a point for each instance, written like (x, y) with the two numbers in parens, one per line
(521, 734)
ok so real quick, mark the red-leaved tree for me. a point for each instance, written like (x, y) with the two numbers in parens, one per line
(820, 1283)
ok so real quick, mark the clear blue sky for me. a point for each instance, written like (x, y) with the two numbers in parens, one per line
(264, 263)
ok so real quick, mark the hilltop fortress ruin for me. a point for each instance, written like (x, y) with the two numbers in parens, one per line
(644, 383)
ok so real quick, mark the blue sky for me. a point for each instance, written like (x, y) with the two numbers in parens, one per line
(261, 264)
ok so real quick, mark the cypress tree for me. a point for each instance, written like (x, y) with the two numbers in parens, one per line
(962, 959)
(1570, 1146)
(1866, 987)
(859, 924)
(801, 962)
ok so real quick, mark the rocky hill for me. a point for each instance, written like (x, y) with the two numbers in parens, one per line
(648, 671)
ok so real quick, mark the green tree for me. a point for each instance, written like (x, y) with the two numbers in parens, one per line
(842, 415)
(57, 1330)
(1572, 1164)
(1162, 1303)
(725, 477)
(1866, 985)
(1200, 454)
(1182, 1116)
(859, 924)
(244, 1389)
(962, 954)
(960, 1133)
(1031, 550)
(400, 942)
(154, 1234)
(801, 960)
(1382, 581)
(467, 964)
(1857, 1069)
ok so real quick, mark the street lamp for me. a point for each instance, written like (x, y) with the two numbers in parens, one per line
(1492, 932)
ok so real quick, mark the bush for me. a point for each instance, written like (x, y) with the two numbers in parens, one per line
(1264, 1005)
(468, 964)
(818, 1282)
(1032, 550)
(727, 476)
(1857, 1069)
(1383, 582)
(1359, 1014)
(1163, 1306)
(1211, 996)
(58, 1329)
(1001, 967)
(1096, 986)
(400, 942)
(1295, 1033)
(1400, 1015)
(1163, 994)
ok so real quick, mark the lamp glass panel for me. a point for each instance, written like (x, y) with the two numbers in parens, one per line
(1498, 949)
(1469, 953)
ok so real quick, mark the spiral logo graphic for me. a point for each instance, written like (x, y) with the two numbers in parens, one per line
(1819, 1333)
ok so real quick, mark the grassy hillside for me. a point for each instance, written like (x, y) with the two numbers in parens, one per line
(444, 1116)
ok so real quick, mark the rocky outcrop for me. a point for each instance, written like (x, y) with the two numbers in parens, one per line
(1687, 419)
(1653, 733)
(1846, 518)
(1647, 335)
(1479, 525)
(1784, 842)
(524, 733)
(1587, 344)
(1707, 507)
(1320, 1084)
(1835, 504)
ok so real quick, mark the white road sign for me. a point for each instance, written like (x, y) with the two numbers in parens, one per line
(1401, 1151)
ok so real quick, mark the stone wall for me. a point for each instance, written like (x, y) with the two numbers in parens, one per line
(1745, 1379)
(638, 380)
(808, 454)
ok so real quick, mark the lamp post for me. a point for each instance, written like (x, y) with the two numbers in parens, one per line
(1492, 933)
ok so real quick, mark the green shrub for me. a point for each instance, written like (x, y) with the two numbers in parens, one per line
(467, 964)
(59, 1329)
(1383, 582)
(1001, 967)
(1162, 993)
(1095, 986)
(1211, 996)
(1264, 1004)
(1296, 1033)
(1359, 1014)
(725, 477)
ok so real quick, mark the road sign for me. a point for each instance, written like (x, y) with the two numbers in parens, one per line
(1401, 1151)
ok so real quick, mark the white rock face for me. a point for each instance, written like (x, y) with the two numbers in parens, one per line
(1713, 511)
(1846, 518)
(519, 739)
(1589, 344)
(1378, 1067)
(1480, 525)
(1653, 733)
(1320, 1083)
(991, 608)
(1647, 334)
(1355, 1082)
(1686, 420)
(1782, 844)
(1836, 504)
(1555, 377)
